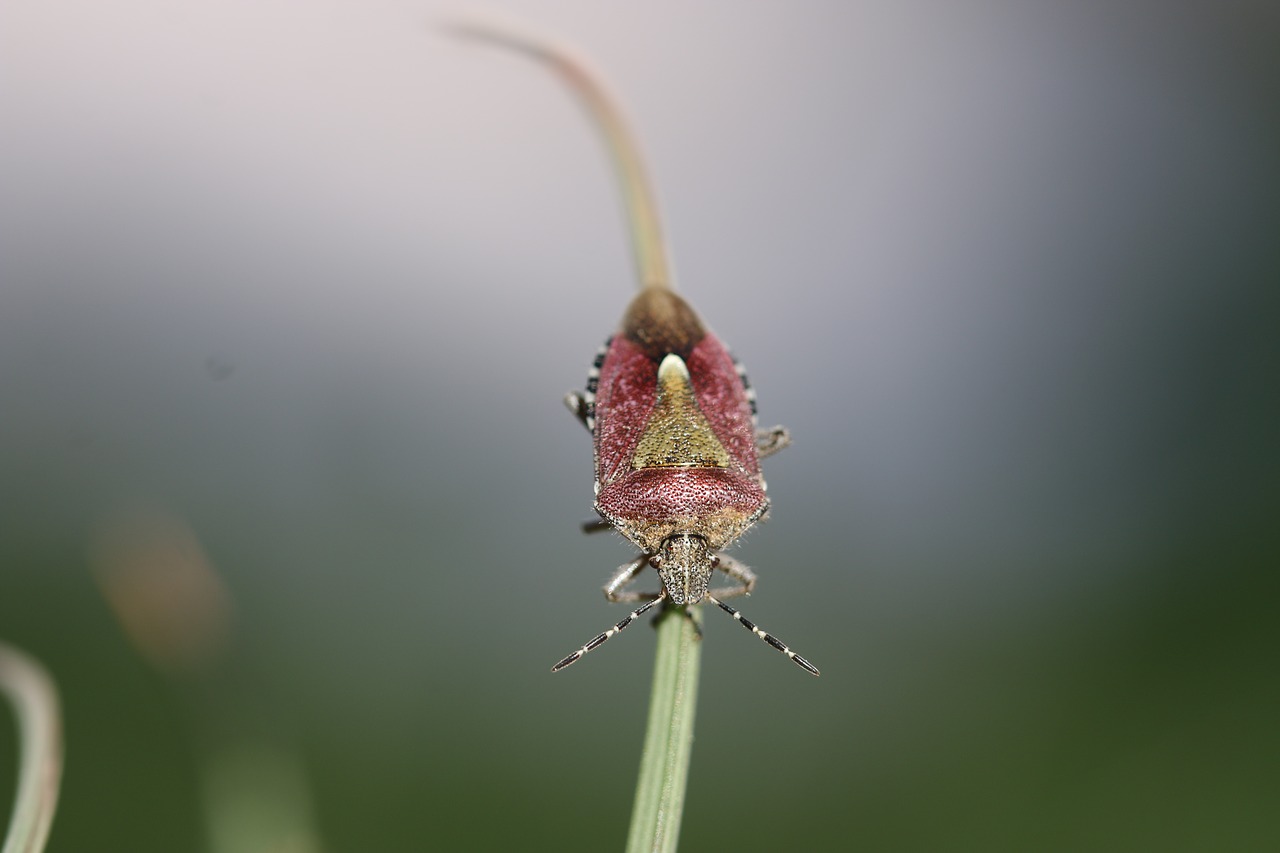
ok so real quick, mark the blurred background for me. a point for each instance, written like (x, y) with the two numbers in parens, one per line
(289, 504)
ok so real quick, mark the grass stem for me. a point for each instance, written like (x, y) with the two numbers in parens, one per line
(35, 703)
(668, 742)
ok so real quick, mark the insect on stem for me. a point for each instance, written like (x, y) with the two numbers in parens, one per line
(671, 413)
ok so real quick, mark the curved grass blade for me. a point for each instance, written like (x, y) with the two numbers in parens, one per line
(35, 702)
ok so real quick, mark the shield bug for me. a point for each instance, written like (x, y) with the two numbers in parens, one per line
(671, 412)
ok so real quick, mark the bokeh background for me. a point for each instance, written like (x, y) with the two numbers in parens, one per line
(289, 295)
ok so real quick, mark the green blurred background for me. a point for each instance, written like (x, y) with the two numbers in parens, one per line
(289, 294)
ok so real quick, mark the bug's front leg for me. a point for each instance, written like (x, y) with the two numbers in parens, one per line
(770, 441)
(625, 576)
(745, 577)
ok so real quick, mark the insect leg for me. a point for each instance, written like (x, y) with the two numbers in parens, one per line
(596, 525)
(599, 640)
(766, 636)
(578, 407)
(624, 577)
(735, 570)
(770, 441)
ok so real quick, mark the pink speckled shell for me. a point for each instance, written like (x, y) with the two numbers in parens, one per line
(624, 401)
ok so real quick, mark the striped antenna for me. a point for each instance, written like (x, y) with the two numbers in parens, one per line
(599, 641)
(646, 232)
(766, 636)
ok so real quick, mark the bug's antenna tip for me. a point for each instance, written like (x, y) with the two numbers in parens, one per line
(573, 658)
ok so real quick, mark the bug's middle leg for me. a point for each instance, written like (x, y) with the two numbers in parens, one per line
(736, 571)
(770, 441)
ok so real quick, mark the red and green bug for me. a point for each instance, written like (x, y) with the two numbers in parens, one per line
(671, 413)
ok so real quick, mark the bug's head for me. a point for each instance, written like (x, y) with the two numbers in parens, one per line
(685, 564)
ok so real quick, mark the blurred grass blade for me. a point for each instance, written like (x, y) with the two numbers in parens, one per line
(163, 589)
(668, 741)
(35, 703)
(256, 798)
(648, 246)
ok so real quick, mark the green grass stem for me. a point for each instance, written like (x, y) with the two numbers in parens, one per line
(668, 741)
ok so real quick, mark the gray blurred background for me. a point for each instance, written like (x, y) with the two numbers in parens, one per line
(289, 294)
